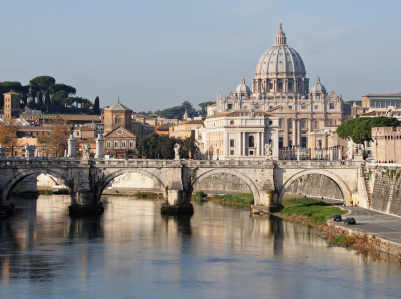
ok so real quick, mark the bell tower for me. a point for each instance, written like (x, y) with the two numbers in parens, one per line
(11, 105)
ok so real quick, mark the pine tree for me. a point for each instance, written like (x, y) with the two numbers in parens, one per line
(96, 107)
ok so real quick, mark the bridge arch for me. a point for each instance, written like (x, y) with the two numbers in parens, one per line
(347, 195)
(103, 183)
(243, 177)
(9, 186)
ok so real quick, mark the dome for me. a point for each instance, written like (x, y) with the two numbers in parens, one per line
(242, 88)
(318, 87)
(280, 58)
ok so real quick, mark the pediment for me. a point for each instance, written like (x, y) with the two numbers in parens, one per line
(119, 132)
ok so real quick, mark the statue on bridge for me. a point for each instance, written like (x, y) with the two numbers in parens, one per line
(87, 148)
(268, 150)
(71, 128)
(2, 150)
(177, 151)
(29, 150)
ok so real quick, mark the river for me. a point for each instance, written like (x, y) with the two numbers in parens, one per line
(132, 251)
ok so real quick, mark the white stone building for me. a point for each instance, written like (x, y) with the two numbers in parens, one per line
(280, 87)
(239, 135)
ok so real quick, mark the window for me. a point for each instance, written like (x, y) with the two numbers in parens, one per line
(290, 107)
(303, 107)
(131, 144)
(232, 152)
(118, 119)
(108, 144)
(231, 122)
(331, 122)
(280, 86)
(115, 144)
(290, 125)
(108, 120)
(271, 107)
(303, 124)
(251, 141)
(316, 125)
(280, 123)
(245, 107)
(316, 107)
(123, 144)
(230, 106)
(289, 86)
(331, 106)
(231, 142)
(270, 122)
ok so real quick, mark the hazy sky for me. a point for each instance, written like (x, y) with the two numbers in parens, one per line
(157, 54)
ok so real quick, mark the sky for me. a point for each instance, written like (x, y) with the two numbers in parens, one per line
(158, 54)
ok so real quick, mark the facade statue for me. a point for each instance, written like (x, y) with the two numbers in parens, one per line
(177, 151)
(252, 113)
(389, 112)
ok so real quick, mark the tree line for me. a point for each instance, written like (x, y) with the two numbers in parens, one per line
(45, 92)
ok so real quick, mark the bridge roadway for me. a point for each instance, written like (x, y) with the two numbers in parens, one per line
(176, 179)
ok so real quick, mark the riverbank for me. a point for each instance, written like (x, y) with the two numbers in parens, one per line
(241, 200)
(319, 214)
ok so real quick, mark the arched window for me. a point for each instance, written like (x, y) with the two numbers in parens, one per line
(251, 141)
(118, 119)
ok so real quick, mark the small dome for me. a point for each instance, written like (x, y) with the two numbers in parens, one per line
(318, 87)
(242, 88)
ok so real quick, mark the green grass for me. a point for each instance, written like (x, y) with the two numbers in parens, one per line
(241, 199)
(199, 196)
(315, 210)
(343, 240)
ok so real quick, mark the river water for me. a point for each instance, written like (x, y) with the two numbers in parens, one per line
(132, 251)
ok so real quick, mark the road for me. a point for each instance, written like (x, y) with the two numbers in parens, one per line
(372, 222)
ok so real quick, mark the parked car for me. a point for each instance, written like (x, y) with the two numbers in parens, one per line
(349, 221)
(337, 217)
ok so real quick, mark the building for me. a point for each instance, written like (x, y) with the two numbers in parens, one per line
(238, 135)
(280, 87)
(120, 143)
(185, 129)
(115, 116)
(386, 144)
(374, 101)
(11, 105)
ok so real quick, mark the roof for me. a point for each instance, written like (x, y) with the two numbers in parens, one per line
(67, 117)
(240, 113)
(378, 96)
(165, 127)
(116, 135)
(191, 122)
(11, 92)
(118, 107)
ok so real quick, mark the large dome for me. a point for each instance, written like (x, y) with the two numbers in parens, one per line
(280, 58)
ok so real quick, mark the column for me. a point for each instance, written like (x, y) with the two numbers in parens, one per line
(294, 132)
(99, 147)
(262, 144)
(243, 144)
(285, 125)
(226, 144)
(257, 145)
(72, 152)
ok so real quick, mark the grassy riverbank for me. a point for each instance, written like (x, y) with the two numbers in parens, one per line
(241, 200)
(308, 211)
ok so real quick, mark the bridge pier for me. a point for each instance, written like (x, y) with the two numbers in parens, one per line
(84, 202)
(176, 201)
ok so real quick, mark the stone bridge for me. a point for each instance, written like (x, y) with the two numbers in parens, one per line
(177, 179)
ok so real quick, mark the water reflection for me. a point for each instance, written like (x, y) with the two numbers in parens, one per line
(132, 250)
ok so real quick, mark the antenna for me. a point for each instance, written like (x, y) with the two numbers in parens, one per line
(217, 97)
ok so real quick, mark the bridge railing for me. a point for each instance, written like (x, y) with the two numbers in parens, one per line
(314, 163)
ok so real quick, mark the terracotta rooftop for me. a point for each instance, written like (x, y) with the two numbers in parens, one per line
(81, 117)
(191, 122)
(384, 95)
(165, 127)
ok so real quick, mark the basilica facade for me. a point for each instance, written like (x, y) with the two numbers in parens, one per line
(281, 88)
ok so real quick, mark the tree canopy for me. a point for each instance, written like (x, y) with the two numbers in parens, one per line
(204, 106)
(155, 146)
(96, 107)
(178, 111)
(360, 129)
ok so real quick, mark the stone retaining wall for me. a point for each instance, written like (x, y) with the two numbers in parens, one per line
(315, 185)
(378, 243)
(223, 182)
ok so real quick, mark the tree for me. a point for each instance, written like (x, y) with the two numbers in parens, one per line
(8, 133)
(360, 129)
(204, 106)
(43, 85)
(96, 107)
(8, 86)
(189, 147)
(154, 146)
(171, 113)
(57, 141)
